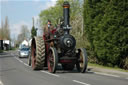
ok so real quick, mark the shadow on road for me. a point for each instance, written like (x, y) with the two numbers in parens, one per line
(3, 53)
(61, 71)
(74, 71)
(9, 69)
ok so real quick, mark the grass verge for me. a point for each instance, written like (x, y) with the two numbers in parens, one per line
(106, 67)
(1, 51)
(13, 48)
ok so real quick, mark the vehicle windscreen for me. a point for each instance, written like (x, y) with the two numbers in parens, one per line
(25, 49)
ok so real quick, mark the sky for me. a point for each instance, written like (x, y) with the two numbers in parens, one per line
(20, 12)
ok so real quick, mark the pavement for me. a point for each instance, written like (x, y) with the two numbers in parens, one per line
(15, 71)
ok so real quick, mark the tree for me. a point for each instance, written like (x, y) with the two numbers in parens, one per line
(24, 35)
(33, 30)
(106, 29)
(24, 32)
(56, 12)
(5, 31)
(2, 28)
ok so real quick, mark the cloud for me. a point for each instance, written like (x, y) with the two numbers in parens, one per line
(44, 4)
(48, 4)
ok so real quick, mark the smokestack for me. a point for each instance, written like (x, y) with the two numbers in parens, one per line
(66, 12)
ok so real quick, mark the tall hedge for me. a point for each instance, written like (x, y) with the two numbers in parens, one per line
(106, 27)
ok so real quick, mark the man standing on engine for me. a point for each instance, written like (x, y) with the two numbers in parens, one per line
(48, 28)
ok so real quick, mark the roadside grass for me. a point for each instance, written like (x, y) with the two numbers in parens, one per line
(106, 67)
(1, 51)
(13, 48)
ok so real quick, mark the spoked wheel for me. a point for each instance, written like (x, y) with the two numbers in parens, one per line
(38, 53)
(69, 67)
(81, 65)
(52, 60)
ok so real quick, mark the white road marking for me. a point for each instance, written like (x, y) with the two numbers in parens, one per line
(41, 71)
(21, 61)
(106, 74)
(80, 82)
(127, 78)
(25, 64)
(1, 83)
(50, 73)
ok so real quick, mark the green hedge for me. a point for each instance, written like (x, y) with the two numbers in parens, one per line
(106, 27)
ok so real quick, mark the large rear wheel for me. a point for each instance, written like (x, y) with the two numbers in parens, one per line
(81, 65)
(38, 53)
(52, 60)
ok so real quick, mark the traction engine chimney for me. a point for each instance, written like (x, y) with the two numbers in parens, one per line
(66, 15)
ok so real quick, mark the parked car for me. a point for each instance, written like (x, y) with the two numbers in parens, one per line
(24, 52)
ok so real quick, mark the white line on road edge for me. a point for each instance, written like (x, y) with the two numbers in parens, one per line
(25, 64)
(21, 61)
(80, 82)
(106, 74)
(50, 73)
(41, 71)
(1, 83)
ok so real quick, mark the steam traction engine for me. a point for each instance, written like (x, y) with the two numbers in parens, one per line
(59, 47)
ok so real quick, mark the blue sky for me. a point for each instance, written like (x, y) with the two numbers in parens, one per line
(20, 12)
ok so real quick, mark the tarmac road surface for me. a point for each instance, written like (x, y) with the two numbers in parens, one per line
(15, 71)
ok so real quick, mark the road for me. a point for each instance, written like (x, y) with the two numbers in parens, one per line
(15, 71)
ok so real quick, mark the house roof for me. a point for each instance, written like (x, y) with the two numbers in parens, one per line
(25, 42)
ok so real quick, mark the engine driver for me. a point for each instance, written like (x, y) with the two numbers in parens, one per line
(48, 28)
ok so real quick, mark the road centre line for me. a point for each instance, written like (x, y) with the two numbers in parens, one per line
(80, 82)
(107, 74)
(50, 73)
(1, 83)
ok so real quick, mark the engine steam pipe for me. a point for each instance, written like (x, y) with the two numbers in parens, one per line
(66, 14)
